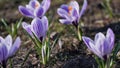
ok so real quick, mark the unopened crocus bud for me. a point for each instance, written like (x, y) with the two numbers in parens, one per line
(8, 48)
(38, 27)
(102, 45)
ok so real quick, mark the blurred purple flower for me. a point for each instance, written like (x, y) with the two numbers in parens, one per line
(102, 45)
(70, 13)
(35, 9)
(38, 26)
(7, 49)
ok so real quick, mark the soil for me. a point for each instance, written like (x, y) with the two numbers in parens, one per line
(69, 52)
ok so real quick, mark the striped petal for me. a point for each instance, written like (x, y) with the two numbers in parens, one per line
(15, 47)
(26, 12)
(27, 27)
(38, 28)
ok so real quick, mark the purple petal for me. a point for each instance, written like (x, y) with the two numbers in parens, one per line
(99, 42)
(46, 4)
(65, 21)
(91, 45)
(62, 12)
(76, 15)
(39, 12)
(75, 5)
(45, 21)
(27, 27)
(38, 28)
(83, 8)
(8, 42)
(88, 42)
(65, 7)
(110, 38)
(33, 3)
(106, 47)
(15, 47)
(3, 50)
(26, 12)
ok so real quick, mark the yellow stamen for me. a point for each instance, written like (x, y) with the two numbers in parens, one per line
(37, 5)
(70, 9)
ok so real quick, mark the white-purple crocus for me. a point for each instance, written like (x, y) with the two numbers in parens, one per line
(8, 48)
(35, 9)
(71, 13)
(102, 45)
(38, 27)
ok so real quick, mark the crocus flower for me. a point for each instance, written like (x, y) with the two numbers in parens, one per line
(70, 13)
(35, 9)
(38, 27)
(7, 49)
(102, 45)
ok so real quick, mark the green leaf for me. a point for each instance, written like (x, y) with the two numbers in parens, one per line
(117, 48)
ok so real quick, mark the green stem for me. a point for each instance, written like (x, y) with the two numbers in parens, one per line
(10, 63)
(98, 61)
(79, 32)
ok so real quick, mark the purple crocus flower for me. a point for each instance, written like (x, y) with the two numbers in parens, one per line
(7, 49)
(35, 9)
(38, 26)
(70, 13)
(102, 45)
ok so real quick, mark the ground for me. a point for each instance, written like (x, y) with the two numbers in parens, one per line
(69, 52)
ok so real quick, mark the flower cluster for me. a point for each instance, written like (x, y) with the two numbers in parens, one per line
(39, 24)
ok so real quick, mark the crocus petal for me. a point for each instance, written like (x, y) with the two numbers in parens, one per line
(110, 38)
(8, 42)
(45, 22)
(83, 8)
(106, 47)
(74, 4)
(99, 42)
(76, 16)
(3, 52)
(34, 3)
(39, 12)
(65, 21)
(88, 42)
(27, 27)
(26, 12)
(91, 45)
(38, 28)
(15, 47)
(46, 4)
(65, 7)
(1, 49)
(62, 12)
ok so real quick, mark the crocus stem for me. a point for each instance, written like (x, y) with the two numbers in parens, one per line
(10, 63)
(107, 63)
(79, 32)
